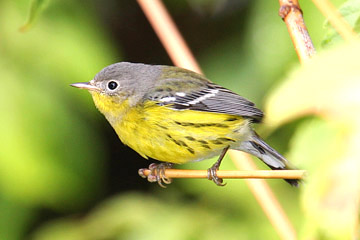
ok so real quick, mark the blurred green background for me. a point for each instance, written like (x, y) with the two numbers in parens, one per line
(63, 172)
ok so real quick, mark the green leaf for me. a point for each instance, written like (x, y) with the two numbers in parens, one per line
(328, 151)
(350, 10)
(326, 86)
(36, 7)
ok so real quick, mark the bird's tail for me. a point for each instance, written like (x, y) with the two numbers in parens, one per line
(259, 148)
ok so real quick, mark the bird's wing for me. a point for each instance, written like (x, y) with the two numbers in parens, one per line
(200, 94)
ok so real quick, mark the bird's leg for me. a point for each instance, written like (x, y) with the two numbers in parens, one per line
(212, 171)
(157, 173)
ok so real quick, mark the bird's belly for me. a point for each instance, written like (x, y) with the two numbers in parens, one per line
(176, 138)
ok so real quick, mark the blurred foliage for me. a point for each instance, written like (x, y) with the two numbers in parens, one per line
(140, 216)
(328, 87)
(34, 12)
(56, 149)
(350, 10)
(45, 159)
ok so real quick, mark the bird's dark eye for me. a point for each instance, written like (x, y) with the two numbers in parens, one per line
(112, 85)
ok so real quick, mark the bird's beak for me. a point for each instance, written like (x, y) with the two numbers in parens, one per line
(86, 85)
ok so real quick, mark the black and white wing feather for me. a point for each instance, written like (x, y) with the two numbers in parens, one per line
(204, 96)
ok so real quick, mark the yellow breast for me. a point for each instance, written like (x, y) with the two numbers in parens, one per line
(176, 136)
(171, 135)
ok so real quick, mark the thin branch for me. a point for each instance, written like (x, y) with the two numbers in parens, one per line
(291, 13)
(168, 34)
(157, 15)
(256, 174)
(336, 20)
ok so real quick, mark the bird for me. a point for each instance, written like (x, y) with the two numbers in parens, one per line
(177, 116)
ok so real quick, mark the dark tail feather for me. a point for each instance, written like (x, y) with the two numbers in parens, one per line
(257, 147)
(293, 182)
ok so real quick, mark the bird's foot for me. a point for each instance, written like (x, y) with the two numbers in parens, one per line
(157, 173)
(212, 175)
(212, 172)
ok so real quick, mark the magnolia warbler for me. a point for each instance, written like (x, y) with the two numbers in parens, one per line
(177, 116)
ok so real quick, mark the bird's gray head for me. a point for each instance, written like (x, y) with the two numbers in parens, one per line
(119, 86)
(126, 79)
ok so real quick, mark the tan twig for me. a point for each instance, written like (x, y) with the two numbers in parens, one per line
(168, 34)
(166, 30)
(336, 20)
(269, 174)
(291, 13)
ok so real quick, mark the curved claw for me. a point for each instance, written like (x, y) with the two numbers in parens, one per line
(163, 177)
(157, 173)
(213, 176)
(212, 172)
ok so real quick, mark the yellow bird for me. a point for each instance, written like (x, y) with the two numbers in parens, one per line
(177, 116)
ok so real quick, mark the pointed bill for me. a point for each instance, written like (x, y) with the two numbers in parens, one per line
(85, 85)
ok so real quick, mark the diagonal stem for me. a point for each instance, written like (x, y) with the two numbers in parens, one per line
(169, 35)
(291, 13)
